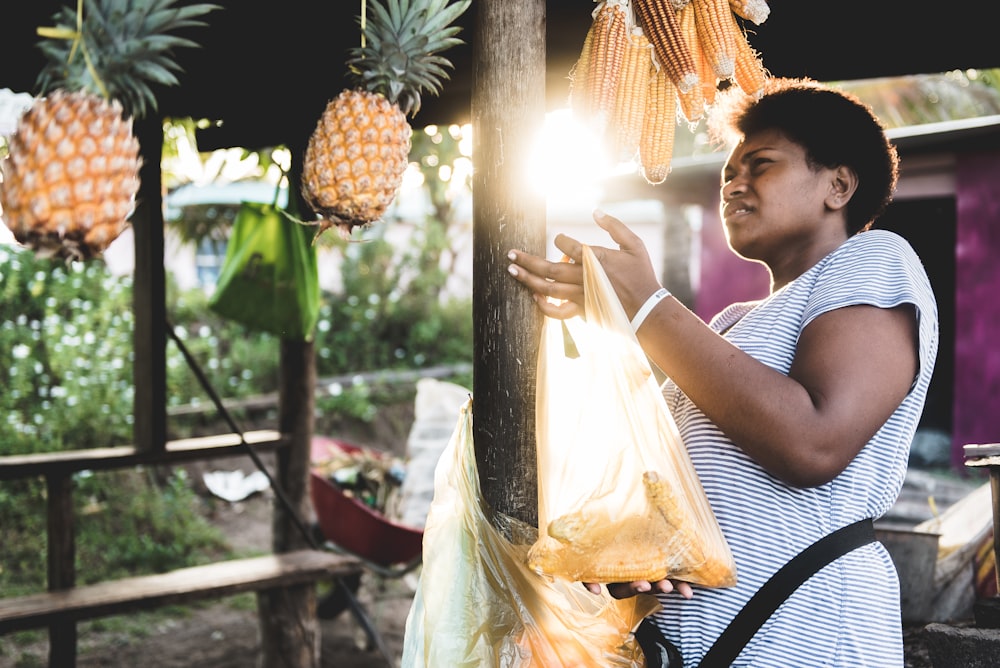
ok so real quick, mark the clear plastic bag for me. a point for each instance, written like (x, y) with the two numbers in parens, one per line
(478, 604)
(618, 497)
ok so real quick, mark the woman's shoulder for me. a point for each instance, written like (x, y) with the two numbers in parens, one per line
(883, 253)
(877, 241)
(877, 267)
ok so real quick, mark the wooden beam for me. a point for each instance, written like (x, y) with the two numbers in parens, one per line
(144, 592)
(64, 462)
(508, 108)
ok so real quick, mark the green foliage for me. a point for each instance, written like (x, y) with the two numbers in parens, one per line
(383, 321)
(161, 529)
(67, 331)
(22, 551)
(128, 522)
(237, 361)
(66, 381)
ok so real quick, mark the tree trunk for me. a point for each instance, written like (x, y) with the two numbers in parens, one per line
(508, 108)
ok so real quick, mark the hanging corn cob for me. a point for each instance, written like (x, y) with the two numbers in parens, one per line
(694, 102)
(755, 11)
(656, 145)
(718, 33)
(750, 74)
(643, 61)
(659, 21)
(633, 88)
(579, 99)
(606, 55)
(595, 75)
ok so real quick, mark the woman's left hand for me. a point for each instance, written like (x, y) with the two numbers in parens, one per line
(557, 287)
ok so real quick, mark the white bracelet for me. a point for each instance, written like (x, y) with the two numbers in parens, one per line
(646, 308)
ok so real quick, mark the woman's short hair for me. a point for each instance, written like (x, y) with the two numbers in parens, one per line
(835, 128)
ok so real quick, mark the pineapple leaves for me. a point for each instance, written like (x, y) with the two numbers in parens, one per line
(126, 47)
(399, 58)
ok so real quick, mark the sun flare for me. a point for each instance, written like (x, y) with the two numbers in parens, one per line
(567, 160)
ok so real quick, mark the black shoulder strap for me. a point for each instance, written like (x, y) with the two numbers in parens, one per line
(788, 578)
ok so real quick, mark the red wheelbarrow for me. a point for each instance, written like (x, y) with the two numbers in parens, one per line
(350, 525)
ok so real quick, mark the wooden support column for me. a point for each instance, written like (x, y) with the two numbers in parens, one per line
(62, 561)
(149, 297)
(508, 108)
(289, 628)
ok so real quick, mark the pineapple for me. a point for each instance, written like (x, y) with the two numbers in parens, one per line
(69, 183)
(356, 156)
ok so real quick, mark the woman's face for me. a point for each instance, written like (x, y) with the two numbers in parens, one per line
(773, 202)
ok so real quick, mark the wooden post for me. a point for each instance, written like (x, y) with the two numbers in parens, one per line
(289, 628)
(149, 296)
(62, 561)
(508, 108)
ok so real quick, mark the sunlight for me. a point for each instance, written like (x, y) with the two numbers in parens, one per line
(568, 162)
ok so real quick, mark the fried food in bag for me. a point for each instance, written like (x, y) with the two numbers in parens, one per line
(618, 497)
(478, 603)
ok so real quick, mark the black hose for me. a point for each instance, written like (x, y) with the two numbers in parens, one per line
(359, 612)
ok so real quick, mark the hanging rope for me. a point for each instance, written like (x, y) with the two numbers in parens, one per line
(364, 20)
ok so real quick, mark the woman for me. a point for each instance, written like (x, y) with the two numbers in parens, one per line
(798, 409)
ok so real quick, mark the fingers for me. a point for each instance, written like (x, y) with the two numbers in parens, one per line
(540, 268)
(626, 239)
(629, 269)
(560, 310)
(570, 247)
(627, 589)
(557, 287)
(620, 590)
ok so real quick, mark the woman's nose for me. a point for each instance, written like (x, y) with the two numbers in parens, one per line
(732, 188)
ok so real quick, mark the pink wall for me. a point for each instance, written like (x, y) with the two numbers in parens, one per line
(976, 403)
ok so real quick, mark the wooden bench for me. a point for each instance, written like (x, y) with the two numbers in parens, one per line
(184, 585)
(64, 604)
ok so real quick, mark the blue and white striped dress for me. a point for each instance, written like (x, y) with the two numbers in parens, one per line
(848, 614)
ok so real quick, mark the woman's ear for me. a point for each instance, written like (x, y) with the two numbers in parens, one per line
(842, 187)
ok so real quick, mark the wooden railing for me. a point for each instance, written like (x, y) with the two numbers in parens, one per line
(64, 603)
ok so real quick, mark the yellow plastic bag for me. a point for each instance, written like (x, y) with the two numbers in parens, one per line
(478, 604)
(618, 497)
